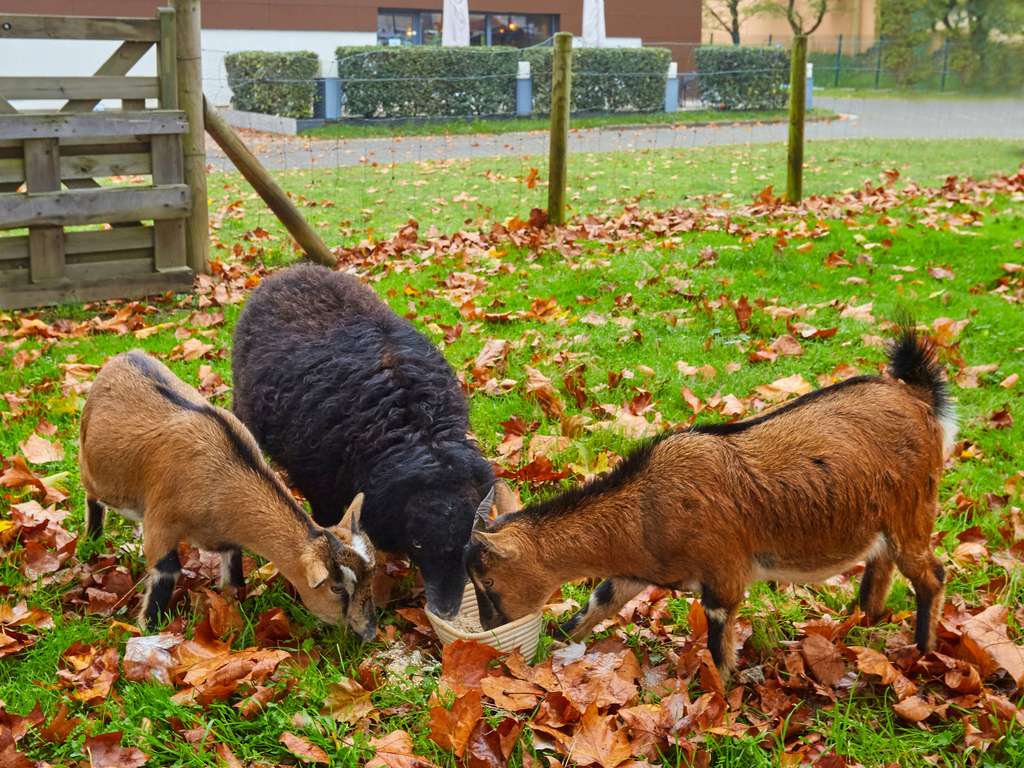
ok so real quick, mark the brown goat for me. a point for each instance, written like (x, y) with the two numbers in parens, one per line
(154, 449)
(844, 474)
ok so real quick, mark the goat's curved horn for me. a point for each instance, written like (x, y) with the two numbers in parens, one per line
(484, 510)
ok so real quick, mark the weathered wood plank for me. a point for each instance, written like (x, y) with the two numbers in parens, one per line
(14, 248)
(92, 125)
(99, 166)
(133, 104)
(32, 27)
(45, 243)
(106, 244)
(190, 98)
(95, 87)
(109, 240)
(167, 59)
(169, 236)
(94, 206)
(16, 293)
(119, 63)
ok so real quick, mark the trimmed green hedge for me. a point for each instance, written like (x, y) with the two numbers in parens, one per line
(731, 77)
(273, 83)
(425, 81)
(605, 79)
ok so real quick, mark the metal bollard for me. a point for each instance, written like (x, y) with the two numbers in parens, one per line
(672, 88)
(524, 90)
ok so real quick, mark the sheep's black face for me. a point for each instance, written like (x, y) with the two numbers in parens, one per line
(438, 532)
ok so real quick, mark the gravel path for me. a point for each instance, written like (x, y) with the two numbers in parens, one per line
(859, 118)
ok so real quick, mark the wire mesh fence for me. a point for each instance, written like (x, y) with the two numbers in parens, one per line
(458, 163)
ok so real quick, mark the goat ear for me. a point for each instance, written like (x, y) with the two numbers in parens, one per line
(352, 515)
(505, 498)
(313, 559)
(499, 545)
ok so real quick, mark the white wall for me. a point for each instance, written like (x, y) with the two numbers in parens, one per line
(83, 57)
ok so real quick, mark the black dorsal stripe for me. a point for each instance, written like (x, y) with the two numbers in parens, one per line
(242, 448)
(634, 462)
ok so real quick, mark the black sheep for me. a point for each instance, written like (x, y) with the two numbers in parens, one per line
(347, 396)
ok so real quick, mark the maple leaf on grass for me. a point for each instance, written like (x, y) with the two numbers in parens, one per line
(492, 747)
(986, 639)
(394, 750)
(824, 659)
(105, 751)
(540, 388)
(303, 749)
(10, 756)
(348, 702)
(593, 742)
(90, 672)
(39, 450)
(464, 663)
(451, 728)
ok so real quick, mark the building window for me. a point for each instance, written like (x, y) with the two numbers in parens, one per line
(409, 27)
(519, 30)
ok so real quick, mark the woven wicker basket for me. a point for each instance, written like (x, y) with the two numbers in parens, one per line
(521, 635)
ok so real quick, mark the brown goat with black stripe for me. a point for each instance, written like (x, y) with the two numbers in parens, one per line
(154, 449)
(848, 473)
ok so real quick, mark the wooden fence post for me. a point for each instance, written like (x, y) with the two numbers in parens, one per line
(268, 189)
(190, 99)
(797, 110)
(561, 93)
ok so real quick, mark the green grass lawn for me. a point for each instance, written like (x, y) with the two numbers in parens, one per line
(404, 127)
(640, 304)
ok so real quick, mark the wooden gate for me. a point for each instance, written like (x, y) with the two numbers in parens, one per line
(86, 238)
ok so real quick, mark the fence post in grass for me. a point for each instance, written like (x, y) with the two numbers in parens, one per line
(268, 189)
(945, 65)
(878, 62)
(839, 61)
(797, 111)
(561, 92)
(190, 99)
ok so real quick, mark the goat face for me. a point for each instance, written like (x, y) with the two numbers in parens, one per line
(508, 580)
(339, 564)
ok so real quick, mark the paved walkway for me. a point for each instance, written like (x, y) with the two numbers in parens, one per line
(859, 118)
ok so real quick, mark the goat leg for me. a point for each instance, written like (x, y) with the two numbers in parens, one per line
(162, 579)
(928, 577)
(231, 575)
(606, 600)
(874, 586)
(94, 518)
(720, 606)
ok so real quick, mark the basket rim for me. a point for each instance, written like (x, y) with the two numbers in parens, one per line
(500, 631)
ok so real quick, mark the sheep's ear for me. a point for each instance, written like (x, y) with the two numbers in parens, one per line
(505, 498)
(314, 562)
(350, 520)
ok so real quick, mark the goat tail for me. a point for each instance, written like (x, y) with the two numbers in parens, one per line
(913, 359)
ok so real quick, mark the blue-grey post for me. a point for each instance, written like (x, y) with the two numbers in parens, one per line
(524, 90)
(810, 86)
(332, 98)
(672, 88)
